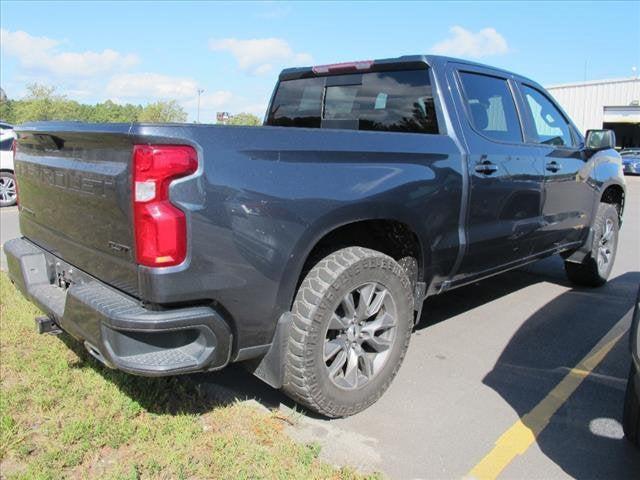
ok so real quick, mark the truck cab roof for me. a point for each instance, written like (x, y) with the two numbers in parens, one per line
(394, 63)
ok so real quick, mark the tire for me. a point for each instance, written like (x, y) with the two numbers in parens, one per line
(8, 192)
(353, 311)
(631, 416)
(596, 267)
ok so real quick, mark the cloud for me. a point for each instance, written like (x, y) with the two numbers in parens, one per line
(151, 85)
(43, 54)
(260, 56)
(211, 101)
(465, 43)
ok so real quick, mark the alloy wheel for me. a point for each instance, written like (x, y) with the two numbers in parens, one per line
(8, 191)
(606, 245)
(359, 336)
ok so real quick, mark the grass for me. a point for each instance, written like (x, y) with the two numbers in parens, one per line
(63, 415)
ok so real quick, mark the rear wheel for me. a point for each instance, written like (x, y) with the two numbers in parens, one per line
(8, 191)
(596, 267)
(352, 320)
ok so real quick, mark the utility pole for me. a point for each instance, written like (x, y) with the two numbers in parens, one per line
(200, 92)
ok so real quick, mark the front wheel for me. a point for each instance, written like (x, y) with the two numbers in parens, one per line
(352, 320)
(596, 267)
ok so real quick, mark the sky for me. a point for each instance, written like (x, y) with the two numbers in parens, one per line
(139, 52)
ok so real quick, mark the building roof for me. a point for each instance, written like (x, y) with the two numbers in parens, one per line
(588, 83)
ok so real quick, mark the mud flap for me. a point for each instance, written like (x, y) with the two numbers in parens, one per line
(581, 253)
(270, 368)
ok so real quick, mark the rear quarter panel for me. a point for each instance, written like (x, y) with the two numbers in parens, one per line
(265, 196)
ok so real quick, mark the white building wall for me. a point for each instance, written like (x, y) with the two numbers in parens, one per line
(585, 101)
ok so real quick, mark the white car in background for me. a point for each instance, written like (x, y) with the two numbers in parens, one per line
(8, 191)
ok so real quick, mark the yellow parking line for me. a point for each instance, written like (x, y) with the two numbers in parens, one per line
(517, 439)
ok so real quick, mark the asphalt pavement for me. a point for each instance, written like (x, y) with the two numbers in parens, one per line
(521, 376)
(9, 229)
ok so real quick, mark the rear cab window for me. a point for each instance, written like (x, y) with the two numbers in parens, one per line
(491, 107)
(396, 101)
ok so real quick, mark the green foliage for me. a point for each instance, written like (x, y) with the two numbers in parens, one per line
(43, 103)
(244, 119)
(162, 112)
(110, 112)
(7, 110)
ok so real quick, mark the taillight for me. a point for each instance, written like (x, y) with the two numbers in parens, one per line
(160, 227)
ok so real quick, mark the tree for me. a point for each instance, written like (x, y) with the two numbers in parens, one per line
(163, 112)
(245, 119)
(111, 112)
(43, 103)
(7, 111)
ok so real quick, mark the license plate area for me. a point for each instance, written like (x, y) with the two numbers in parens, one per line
(63, 275)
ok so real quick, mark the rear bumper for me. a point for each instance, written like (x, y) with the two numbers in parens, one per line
(115, 328)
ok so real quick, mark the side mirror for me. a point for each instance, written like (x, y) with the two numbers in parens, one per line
(600, 140)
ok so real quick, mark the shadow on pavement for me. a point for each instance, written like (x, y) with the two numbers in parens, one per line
(548, 344)
(205, 391)
(584, 437)
(199, 393)
(442, 307)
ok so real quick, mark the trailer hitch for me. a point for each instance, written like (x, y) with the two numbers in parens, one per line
(47, 325)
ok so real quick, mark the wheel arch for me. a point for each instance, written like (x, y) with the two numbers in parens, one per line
(614, 194)
(385, 233)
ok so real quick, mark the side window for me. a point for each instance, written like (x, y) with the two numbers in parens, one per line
(550, 126)
(491, 107)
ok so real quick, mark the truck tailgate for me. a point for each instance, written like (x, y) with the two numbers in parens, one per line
(75, 198)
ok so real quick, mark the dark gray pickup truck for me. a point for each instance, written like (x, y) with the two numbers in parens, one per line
(306, 247)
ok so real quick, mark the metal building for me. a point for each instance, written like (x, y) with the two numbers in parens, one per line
(613, 104)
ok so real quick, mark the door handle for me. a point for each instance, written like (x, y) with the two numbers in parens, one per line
(554, 166)
(486, 167)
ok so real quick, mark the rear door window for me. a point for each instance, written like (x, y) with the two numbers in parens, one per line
(491, 107)
(400, 101)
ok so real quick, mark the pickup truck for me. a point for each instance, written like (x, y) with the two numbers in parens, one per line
(306, 247)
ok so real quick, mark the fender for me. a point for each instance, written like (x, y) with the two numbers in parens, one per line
(336, 219)
(607, 172)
